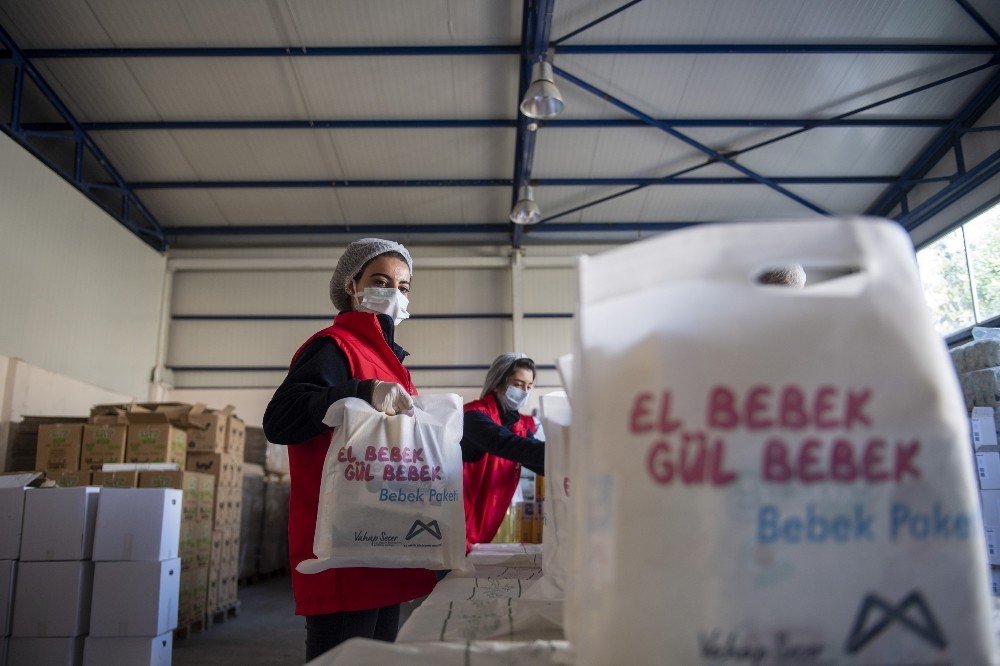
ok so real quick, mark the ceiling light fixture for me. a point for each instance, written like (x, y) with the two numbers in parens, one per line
(542, 99)
(526, 211)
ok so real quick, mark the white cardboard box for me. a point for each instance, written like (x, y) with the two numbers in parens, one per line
(8, 577)
(59, 524)
(993, 545)
(45, 651)
(984, 427)
(3, 650)
(53, 599)
(988, 467)
(991, 507)
(135, 598)
(995, 582)
(11, 518)
(131, 651)
(138, 524)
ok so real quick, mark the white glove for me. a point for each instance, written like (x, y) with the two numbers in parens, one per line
(390, 398)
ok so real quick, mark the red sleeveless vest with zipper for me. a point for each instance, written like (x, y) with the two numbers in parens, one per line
(369, 356)
(488, 484)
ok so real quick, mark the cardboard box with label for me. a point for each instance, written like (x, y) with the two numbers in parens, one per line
(52, 599)
(11, 520)
(190, 483)
(8, 578)
(209, 428)
(59, 523)
(54, 651)
(984, 427)
(993, 545)
(135, 598)
(236, 438)
(138, 524)
(154, 651)
(988, 467)
(73, 479)
(102, 444)
(58, 447)
(153, 438)
(114, 414)
(991, 507)
(216, 464)
(206, 498)
(116, 479)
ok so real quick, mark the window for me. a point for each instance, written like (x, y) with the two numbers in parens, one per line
(960, 273)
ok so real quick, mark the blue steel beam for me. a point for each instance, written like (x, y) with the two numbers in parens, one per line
(153, 234)
(402, 230)
(511, 49)
(600, 19)
(457, 123)
(939, 146)
(959, 187)
(980, 21)
(843, 117)
(503, 182)
(535, 28)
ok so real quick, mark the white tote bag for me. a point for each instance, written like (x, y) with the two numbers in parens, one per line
(391, 490)
(772, 474)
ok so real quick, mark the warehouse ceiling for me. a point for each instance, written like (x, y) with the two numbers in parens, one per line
(230, 123)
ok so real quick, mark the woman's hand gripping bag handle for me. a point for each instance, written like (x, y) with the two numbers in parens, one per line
(787, 466)
(391, 489)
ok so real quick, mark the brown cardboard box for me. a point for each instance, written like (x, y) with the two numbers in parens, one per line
(209, 428)
(200, 592)
(71, 479)
(102, 444)
(116, 479)
(203, 544)
(59, 447)
(216, 464)
(114, 414)
(236, 437)
(189, 482)
(212, 594)
(188, 549)
(152, 438)
(206, 498)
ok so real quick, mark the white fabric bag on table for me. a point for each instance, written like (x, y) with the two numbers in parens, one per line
(768, 471)
(391, 490)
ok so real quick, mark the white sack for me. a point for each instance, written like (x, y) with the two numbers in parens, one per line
(771, 471)
(391, 491)
(484, 619)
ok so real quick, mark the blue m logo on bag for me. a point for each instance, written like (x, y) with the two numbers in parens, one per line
(419, 526)
(923, 625)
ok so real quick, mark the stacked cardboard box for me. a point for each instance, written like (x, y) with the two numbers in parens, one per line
(252, 519)
(274, 535)
(11, 520)
(197, 503)
(22, 443)
(137, 573)
(54, 576)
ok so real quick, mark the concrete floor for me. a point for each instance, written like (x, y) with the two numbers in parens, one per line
(267, 631)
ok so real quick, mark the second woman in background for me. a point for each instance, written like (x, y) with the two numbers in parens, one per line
(497, 441)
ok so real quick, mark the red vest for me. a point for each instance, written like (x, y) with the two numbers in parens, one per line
(490, 482)
(359, 336)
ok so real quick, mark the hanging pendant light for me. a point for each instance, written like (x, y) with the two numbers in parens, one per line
(542, 99)
(526, 211)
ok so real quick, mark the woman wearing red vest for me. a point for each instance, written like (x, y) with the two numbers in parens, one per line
(355, 357)
(496, 441)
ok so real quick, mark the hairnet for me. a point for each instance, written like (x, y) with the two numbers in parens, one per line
(501, 367)
(357, 254)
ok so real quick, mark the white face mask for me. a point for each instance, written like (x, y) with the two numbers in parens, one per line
(515, 398)
(384, 300)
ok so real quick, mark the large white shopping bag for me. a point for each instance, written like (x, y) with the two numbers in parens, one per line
(391, 491)
(771, 474)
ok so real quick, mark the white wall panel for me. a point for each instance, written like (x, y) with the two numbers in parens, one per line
(549, 289)
(253, 292)
(545, 340)
(79, 293)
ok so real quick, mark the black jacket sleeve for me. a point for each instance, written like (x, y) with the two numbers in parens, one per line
(482, 435)
(319, 378)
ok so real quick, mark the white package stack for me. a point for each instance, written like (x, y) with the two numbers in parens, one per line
(135, 598)
(391, 490)
(11, 521)
(130, 651)
(59, 523)
(138, 524)
(772, 470)
(64, 651)
(52, 599)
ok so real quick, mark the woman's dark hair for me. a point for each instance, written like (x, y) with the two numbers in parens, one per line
(519, 364)
(391, 253)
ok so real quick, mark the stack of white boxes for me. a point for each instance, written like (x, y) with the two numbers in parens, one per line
(54, 576)
(11, 519)
(136, 577)
(984, 439)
